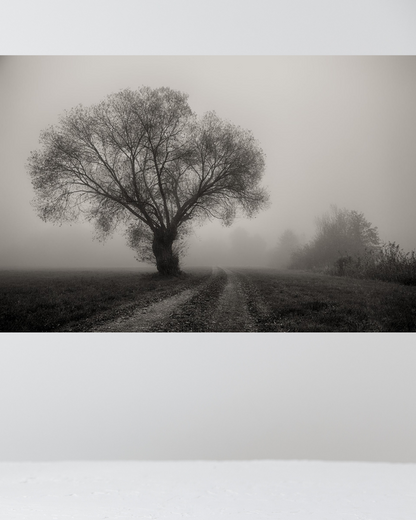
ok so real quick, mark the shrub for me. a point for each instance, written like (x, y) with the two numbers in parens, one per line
(390, 264)
(341, 236)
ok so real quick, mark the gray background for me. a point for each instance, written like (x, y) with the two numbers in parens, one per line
(208, 396)
(339, 397)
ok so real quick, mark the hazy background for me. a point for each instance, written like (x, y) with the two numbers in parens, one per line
(335, 130)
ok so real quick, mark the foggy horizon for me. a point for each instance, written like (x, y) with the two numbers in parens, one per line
(335, 131)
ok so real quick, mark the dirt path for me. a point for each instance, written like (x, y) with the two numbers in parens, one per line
(158, 316)
(143, 320)
(232, 314)
(217, 305)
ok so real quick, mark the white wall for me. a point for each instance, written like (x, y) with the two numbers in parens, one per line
(211, 396)
(208, 396)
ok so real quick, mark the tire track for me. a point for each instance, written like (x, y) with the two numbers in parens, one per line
(232, 313)
(166, 315)
(220, 304)
(142, 320)
(266, 320)
(196, 314)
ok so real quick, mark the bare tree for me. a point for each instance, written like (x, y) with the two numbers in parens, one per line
(341, 235)
(143, 160)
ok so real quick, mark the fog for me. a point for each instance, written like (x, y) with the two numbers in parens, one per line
(335, 130)
(238, 248)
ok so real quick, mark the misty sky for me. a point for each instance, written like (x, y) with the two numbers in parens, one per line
(335, 130)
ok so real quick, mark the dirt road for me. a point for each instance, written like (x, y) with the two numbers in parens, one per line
(218, 305)
(232, 313)
(256, 300)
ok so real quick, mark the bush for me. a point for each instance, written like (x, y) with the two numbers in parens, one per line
(346, 244)
(390, 264)
(341, 236)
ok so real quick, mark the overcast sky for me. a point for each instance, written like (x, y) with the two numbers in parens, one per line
(335, 130)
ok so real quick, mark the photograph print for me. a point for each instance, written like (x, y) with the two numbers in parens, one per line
(208, 194)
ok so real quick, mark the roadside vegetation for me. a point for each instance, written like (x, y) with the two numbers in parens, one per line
(347, 244)
(390, 263)
(293, 301)
(44, 301)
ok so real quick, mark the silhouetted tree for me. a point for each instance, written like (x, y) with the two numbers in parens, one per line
(341, 235)
(281, 255)
(141, 159)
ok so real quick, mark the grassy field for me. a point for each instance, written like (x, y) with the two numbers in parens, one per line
(307, 302)
(279, 301)
(43, 301)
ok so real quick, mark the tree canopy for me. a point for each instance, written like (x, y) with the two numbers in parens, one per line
(143, 160)
(340, 233)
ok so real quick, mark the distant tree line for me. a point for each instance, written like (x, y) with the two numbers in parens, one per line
(280, 256)
(341, 234)
(346, 244)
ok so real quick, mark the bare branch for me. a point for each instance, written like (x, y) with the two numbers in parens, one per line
(141, 159)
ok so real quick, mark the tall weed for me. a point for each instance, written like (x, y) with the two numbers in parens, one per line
(390, 263)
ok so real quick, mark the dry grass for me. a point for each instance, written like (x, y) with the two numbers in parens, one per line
(43, 301)
(290, 301)
(279, 301)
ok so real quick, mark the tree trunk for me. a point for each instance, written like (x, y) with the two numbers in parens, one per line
(167, 261)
